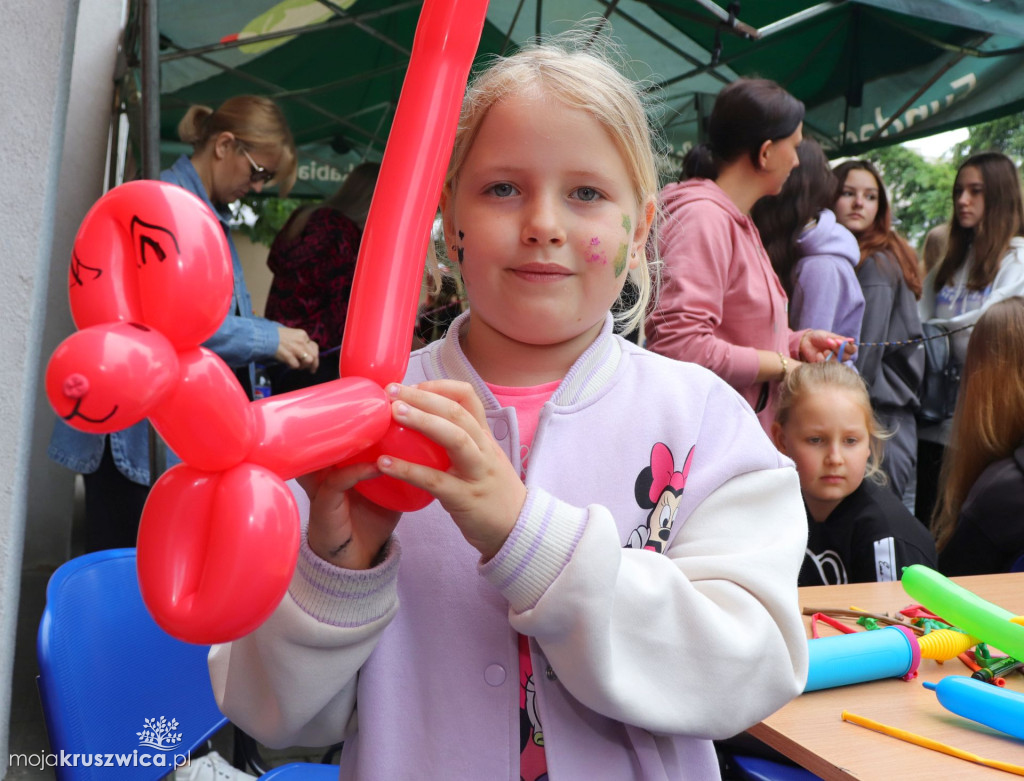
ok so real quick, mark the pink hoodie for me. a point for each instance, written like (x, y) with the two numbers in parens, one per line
(720, 298)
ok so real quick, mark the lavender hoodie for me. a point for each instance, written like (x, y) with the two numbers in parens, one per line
(414, 662)
(826, 293)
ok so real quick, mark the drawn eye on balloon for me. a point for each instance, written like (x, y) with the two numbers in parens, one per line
(150, 281)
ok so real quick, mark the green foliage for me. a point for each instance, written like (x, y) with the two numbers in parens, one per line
(920, 192)
(1004, 135)
(271, 214)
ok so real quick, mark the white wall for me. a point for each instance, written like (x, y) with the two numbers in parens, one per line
(44, 202)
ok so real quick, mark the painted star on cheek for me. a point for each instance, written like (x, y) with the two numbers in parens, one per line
(459, 249)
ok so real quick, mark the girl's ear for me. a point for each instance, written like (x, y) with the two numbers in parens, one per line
(779, 437)
(642, 230)
(448, 225)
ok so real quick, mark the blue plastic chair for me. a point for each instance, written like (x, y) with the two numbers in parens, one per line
(302, 771)
(112, 682)
(760, 769)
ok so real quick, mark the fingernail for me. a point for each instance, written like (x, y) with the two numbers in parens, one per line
(393, 389)
(401, 408)
(384, 462)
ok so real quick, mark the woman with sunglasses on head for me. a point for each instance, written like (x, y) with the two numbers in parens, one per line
(242, 146)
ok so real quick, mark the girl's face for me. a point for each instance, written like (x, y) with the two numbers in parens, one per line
(543, 223)
(827, 438)
(857, 205)
(969, 197)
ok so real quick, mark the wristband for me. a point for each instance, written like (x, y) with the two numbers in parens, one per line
(785, 366)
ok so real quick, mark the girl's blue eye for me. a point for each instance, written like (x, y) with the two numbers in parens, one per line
(586, 194)
(503, 189)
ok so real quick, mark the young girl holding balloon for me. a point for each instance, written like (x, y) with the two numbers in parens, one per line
(554, 607)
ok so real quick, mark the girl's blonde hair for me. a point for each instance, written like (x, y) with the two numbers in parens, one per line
(256, 122)
(577, 69)
(988, 424)
(810, 377)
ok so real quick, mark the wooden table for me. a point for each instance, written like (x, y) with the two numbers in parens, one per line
(810, 731)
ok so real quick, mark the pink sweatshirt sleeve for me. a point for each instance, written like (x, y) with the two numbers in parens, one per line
(697, 249)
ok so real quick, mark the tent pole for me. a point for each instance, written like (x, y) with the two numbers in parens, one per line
(150, 66)
(150, 44)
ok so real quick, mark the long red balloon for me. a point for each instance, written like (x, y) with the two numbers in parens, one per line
(385, 291)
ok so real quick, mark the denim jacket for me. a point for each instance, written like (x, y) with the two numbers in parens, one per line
(241, 340)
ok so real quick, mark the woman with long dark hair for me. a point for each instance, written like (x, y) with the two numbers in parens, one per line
(889, 277)
(721, 303)
(983, 264)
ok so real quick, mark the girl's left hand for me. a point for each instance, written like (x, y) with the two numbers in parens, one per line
(817, 345)
(481, 489)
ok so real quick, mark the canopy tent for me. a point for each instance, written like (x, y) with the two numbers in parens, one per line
(871, 72)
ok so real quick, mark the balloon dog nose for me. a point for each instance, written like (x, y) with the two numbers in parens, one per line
(75, 386)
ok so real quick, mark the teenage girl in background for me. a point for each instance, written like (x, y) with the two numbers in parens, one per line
(858, 530)
(813, 255)
(510, 627)
(983, 264)
(722, 305)
(979, 518)
(890, 278)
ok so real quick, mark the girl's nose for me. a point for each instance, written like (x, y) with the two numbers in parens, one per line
(256, 186)
(542, 225)
(833, 456)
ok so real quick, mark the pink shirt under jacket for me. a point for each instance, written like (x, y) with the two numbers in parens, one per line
(720, 300)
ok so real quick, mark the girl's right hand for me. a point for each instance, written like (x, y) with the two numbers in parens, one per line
(346, 529)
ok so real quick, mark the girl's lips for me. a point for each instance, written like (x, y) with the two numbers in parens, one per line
(541, 272)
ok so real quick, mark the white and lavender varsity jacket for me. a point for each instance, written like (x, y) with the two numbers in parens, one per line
(653, 567)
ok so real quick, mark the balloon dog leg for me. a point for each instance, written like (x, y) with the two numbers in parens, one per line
(208, 538)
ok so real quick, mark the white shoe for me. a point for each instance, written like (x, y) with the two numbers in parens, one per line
(210, 767)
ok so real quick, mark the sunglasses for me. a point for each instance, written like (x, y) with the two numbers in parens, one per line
(257, 172)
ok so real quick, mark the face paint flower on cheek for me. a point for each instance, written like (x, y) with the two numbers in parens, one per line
(592, 253)
(627, 225)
